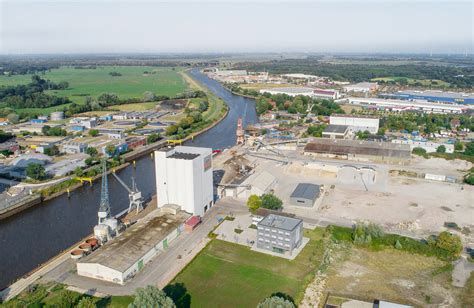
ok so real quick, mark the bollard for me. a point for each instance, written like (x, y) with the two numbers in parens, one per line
(68, 193)
(134, 164)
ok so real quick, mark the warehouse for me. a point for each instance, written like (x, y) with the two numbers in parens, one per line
(289, 91)
(325, 93)
(435, 96)
(184, 177)
(305, 194)
(356, 123)
(122, 258)
(358, 150)
(336, 131)
(406, 105)
(364, 87)
(430, 147)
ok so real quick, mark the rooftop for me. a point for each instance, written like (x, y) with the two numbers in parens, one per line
(290, 90)
(333, 128)
(306, 191)
(185, 156)
(126, 249)
(357, 147)
(356, 116)
(280, 222)
(438, 93)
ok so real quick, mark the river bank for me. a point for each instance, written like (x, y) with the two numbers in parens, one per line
(63, 221)
(129, 157)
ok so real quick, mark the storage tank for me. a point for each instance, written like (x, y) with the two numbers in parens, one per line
(56, 116)
(76, 254)
(86, 247)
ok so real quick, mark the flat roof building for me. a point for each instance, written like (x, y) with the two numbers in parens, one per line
(333, 131)
(358, 149)
(434, 96)
(127, 254)
(356, 123)
(305, 194)
(184, 178)
(400, 105)
(279, 234)
(363, 87)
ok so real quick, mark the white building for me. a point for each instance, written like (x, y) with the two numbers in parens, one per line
(289, 91)
(364, 87)
(184, 178)
(326, 93)
(408, 105)
(356, 123)
(430, 147)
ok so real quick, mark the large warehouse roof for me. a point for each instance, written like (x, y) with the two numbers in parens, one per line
(125, 250)
(333, 128)
(306, 191)
(357, 147)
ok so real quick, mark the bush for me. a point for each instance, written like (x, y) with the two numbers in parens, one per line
(441, 149)
(254, 203)
(419, 151)
(272, 202)
(449, 242)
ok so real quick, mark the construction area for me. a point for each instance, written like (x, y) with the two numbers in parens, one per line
(352, 190)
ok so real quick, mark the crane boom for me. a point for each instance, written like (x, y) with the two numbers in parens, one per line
(122, 182)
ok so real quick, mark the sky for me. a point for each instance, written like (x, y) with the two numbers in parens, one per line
(106, 26)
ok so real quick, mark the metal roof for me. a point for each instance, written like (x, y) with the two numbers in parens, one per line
(280, 222)
(306, 191)
(333, 128)
(125, 250)
(185, 156)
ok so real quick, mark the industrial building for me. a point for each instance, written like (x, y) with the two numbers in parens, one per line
(336, 131)
(430, 147)
(356, 123)
(112, 133)
(358, 150)
(399, 105)
(364, 87)
(295, 91)
(434, 96)
(122, 258)
(305, 194)
(184, 177)
(289, 91)
(325, 93)
(279, 234)
(74, 147)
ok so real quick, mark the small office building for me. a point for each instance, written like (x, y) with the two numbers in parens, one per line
(279, 234)
(305, 194)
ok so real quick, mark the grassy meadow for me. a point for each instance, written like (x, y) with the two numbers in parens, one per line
(232, 275)
(93, 82)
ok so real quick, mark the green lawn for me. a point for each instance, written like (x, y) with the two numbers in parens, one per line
(231, 275)
(93, 82)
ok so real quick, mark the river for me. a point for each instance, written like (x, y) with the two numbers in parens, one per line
(35, 235)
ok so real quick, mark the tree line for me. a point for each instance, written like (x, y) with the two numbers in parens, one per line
(32, 95)
(456, 76)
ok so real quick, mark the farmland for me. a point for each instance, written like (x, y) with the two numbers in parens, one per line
(226, 273)
(94, 82)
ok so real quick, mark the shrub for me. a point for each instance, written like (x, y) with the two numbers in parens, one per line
(254, 203)
(449, 242)
(270, 201)
(419, 151)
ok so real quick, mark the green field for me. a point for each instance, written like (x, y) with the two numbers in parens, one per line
(94, 82)
(411, 81)
(231, 275)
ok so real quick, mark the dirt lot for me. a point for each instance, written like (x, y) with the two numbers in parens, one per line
(394, 276)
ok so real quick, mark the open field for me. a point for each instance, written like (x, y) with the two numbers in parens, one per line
(411, 81)
(94, 82)
(394, 276)
(231, 275)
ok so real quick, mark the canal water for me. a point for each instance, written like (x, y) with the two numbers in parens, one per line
(35, 235)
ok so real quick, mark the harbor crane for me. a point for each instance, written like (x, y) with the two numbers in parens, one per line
(134, 196)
